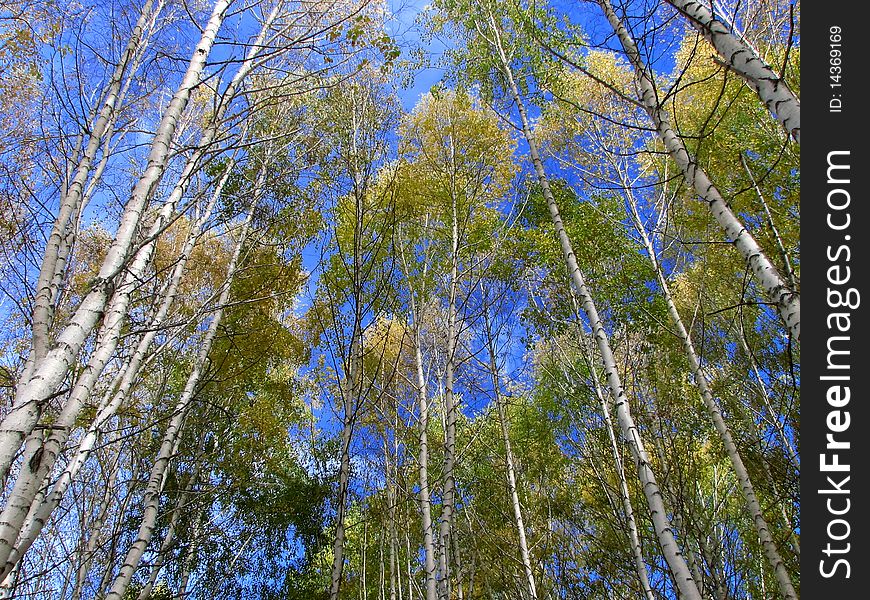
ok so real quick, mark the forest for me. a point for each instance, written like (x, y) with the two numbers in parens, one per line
(394, 300)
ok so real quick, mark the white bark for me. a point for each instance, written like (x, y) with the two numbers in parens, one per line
(169, 444)
(22, 495)
(752, 506)
(423, 460)
(59, 240)
(169, 539)
(743, 60)
(54, 367)
(351, 390)
(16, 507)
(664, 531)
(118, 515)
(627, 508)
(448, 479)
(188, 560)
(786, 299)
(423, 457)
(391, 467)
(86, 555)
(343, 480)
(525, 556)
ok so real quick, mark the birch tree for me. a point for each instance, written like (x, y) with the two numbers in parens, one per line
(743, 59)
(777, 289)
(51, 370)
(489, 31)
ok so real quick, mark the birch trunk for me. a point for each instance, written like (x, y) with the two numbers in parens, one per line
(425, 500)
(59, 242)
(628, 509)
(509, 462)
(751, 504)
(448, 480)
(11, 519)
(741, 58)
(423, 457)
(664, 531)
(391, 469)
(54, 367)
(786, 299)
(457, 557)
(189, 556)
(95, 530)
(119, 523)
(169, 444)
(24, 487)
(351, 394)
(343, 479)
(169, 539)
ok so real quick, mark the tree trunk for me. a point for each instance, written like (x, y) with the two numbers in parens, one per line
(425, 501)
(169, 539)
(786, 299)
(628, 509)
(63, 426)
(169, 444)
(752, 506)
(59, 240)
(420, 386)
(86, 556)
(448, 479)
(187, 560)
(351, 392)
(509, 462)
(664, 530)
(343, 480)
(391, 468)
(743, 60)
(54, 367)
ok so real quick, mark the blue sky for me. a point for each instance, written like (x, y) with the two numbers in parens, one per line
(408, 32)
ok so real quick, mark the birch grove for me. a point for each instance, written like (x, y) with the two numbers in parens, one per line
(350, 299)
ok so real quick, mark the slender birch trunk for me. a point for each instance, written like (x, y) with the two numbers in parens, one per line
(169, 539)
(24, 487)
(448, 478)
(363, 553)
(54, 367)
(119, 522)
(410, 575)
(169, 444)
(628, 509)
(751, 504)
(95, 531)
(786, 299)
(351, 394)
(391, 471)
(187, 560)
(11, 519)
(420, 386)
(59, 240)
(741, 58)
(423, 459)
(343, 484)
(711, 557)
(692, 555)
(509, 461)
(664, 530)
(457, 557)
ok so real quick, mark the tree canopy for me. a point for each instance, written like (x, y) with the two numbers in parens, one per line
(288, 316)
